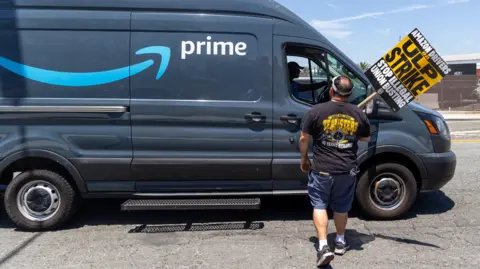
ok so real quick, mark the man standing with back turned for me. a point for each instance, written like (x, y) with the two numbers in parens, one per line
(336, 127)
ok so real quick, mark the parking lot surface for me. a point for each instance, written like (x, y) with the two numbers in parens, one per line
(441, 230)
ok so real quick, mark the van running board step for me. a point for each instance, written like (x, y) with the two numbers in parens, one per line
(191, 204)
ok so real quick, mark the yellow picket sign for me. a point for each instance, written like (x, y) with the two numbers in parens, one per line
(408, 70)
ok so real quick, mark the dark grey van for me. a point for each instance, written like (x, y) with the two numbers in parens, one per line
(183, 105)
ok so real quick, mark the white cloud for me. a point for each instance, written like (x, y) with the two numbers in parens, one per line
(457, 1)
(338, 34)
(328, 24)
(382, 13)
(337, 28)
(332, 29)
(332, 5)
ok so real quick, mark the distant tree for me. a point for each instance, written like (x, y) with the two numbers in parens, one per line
(364, 65)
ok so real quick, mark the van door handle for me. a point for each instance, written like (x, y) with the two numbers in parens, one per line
(292, 119)
(255, 116)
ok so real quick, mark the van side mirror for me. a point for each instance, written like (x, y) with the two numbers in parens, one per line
(381, 111)
(371, 108)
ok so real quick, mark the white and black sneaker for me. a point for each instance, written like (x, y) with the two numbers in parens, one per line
(324, 256)
(341, 248)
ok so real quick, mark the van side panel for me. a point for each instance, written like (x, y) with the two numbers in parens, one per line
(46, 104)
(190, 126)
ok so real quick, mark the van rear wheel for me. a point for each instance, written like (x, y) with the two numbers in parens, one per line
(39, 200)
(386, 190)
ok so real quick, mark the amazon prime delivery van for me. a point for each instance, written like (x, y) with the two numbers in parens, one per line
(183, 105)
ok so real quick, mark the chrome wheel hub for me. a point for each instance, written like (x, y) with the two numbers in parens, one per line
(38, 200)
(387, 191)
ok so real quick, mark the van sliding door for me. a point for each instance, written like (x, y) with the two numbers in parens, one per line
(202, 110)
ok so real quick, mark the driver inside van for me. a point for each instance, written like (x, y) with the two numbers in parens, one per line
(294, 72)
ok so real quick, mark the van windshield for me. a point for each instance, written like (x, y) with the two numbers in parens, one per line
(336, 68)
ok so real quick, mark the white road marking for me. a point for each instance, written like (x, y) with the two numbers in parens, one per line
(465, 132)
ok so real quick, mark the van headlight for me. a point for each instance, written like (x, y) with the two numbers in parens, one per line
(435, 125)
(442, 127)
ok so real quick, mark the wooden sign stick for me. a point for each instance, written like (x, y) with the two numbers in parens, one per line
(368, 99)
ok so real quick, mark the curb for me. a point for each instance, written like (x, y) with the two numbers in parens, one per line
(456, 112)
(460, 115)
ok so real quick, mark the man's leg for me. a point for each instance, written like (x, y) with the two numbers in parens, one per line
(319, 187)
(341, 220)
(343, 192)
(320, 219)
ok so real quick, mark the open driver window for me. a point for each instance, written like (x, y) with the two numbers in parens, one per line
(310, 72)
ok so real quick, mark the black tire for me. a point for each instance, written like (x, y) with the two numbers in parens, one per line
(362, 194)
(66, 209)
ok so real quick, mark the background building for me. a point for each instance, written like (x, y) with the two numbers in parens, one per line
(460, 90)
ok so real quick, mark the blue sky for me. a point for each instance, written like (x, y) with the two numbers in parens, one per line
(367, 29)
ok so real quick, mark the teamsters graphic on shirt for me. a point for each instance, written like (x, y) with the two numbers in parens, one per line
(335, 128)
(339, 131)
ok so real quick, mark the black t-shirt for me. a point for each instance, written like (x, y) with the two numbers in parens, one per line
(335, 128)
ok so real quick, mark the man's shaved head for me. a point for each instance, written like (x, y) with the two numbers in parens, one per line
(342, 86)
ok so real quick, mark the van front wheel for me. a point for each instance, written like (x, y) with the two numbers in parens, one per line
(386, 191)
(39, 200)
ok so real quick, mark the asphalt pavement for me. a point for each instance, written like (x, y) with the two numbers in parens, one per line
(441, 230)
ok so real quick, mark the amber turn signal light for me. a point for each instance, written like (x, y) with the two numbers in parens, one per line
(430, 127)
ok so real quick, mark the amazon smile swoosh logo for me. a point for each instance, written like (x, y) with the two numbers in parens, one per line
(89, 78)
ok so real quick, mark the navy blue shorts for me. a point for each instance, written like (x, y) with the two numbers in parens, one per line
(336, 191)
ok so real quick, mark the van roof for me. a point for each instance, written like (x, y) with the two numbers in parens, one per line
(258, 7)
(265, 8)
(261, 8)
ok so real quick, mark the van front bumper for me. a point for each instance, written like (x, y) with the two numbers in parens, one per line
(440, 169)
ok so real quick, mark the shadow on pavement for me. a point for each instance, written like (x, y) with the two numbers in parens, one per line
(405, 240)
(107, 212)
(428, 203)
(19, 248)
(431, 203)
(101, 212)
(356, 239)
(200, 227)
(286, 208)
